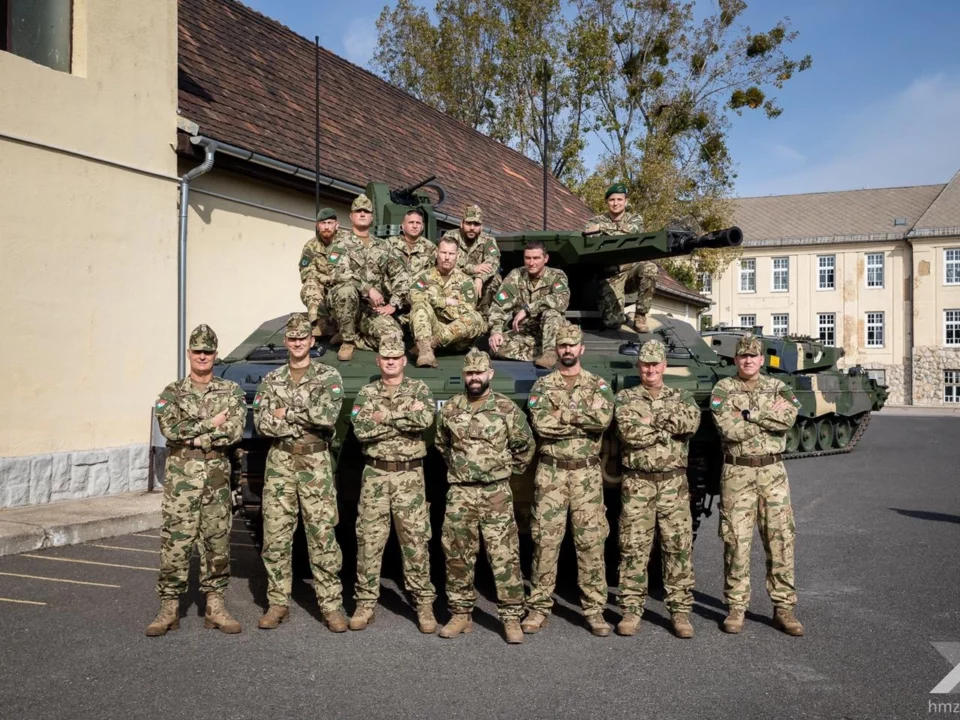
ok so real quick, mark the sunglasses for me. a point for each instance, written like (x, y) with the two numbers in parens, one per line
(204, 352)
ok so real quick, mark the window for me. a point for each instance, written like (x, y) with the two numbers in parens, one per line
(951, 386)
(880, 376)
(38, 30)
(826, 265)
(706, 322)
(874, 329)
(706, 283)
(748, 275)
(951, 327)
(781, 324)
(951, 262)
(874, 270)
(748, 321)
(827, 327)
(781, 274)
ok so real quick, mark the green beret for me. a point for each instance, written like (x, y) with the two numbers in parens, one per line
(327, 214)
(615, 188)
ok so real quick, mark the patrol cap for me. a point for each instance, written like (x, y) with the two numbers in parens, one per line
(472, 213)
(326, 214)
(615, 188)
(652, 351)
(203, 338)
(361, 202)
(298, 326)
(749, 345)
(476, 361)
(391, 346)
(569, 334)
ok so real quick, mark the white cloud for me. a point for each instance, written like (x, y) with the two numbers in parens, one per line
(360, 40)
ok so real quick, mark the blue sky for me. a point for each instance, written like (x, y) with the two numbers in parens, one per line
(879, 108)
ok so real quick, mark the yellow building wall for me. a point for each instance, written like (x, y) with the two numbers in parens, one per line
(932, 296)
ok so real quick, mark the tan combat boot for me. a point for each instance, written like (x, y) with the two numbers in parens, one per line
(785, 620)
(681, 625)
(425, 620)
(640, 323)
(629, 624)
(734, 621)
(217, 615)
(272, 618)
(533, 622)
(362, 617)
(459, 623)
(512, 631)
(425, 356)
(598, 626)
(167, 619)
(345, 352)
(547, 360)
(335, 620)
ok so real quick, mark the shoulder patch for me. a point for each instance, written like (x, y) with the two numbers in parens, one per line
(257, 399)
(716, 401)
(421, 285)
(354, 411)
(334, 257)
(162, 404)
(505, 294)
(335, 388)
(534, 399)
(304, 261)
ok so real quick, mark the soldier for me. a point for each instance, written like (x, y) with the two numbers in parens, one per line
(298, 405)
(200, 416)
(570, 408)
(634, 277)
(389, 419)
(536, 297)
(753, 413)
(484, 437)
(444, 302)
(655, 423)
(479, 256)
(410, 255)
(316, 275)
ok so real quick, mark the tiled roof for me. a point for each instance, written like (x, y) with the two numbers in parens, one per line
(667, 285)
(249, 81)
(943, 216)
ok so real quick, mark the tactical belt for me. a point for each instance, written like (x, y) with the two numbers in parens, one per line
(479, 483)
(753, 461)
(654, 476)
(195, 454)
(395, 465)
(302, 448)
(570, 464)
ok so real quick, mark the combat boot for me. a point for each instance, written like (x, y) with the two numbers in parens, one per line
(335, 620)
(547, 360)
(640, 323)
(425, 356)
(681, 625)
(459, 623)
(272, 618)
(512, 632)
(629, 624)
(785, 620)
(533, 622)
(598, 626)
(217, 615)
(345, 352)
(362, 617)
(425, 620)
(167, 619)
(734, 621)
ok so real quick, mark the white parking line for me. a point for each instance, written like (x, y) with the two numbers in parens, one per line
(22, 602)
(158, 537)
(119, 547)
(88, 562)
(63, 580)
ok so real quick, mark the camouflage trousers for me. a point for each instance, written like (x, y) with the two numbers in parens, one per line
(313, 295)
(458, 334)
(196, 507)
(579, 492)
(472, 511)
(373, 327)
(648, 505)
(301, 484)
(536, 335)
(488, 291)
(640, 278)
(757, 496)
(402, 495)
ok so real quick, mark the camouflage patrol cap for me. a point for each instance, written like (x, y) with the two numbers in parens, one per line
(569, 334)
(749, 345)
(361, 202)
(391, 346)
(298, 326)
(476, 361)
(652, 351)
(615, 188)
(327, 214)
(473, 214)
(203, 338)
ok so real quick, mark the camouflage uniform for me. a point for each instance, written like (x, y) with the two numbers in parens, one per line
(400, 267)
(299, 474)
(568, 480)
(432, 317)
(484, 443)
(755, 495)
(640, 278)
(196, 492)
(654, 489)
(397, 439)
(316, 274)
(482, 250)
(546, 299)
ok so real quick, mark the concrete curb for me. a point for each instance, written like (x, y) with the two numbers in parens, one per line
(23, 529)
(919, 411)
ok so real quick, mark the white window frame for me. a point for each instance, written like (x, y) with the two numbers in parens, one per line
(882, 269)
(748, 273)
(821, 268)
(951, 386)
(706, 282)
(774, 326)
(784, 271)
(833, 328)
(951, 262)
(750, 324)
(874, 321)
(951, 326)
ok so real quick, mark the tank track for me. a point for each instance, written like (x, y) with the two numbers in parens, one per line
(861, 427)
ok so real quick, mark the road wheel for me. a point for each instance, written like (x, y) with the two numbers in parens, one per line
(793, 438)
(842, 433)
(825, 434)
(808, 435)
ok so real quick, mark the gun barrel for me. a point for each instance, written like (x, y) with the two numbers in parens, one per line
(414, 188)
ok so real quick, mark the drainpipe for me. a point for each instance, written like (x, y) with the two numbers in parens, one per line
(210, 148)
(909, 318)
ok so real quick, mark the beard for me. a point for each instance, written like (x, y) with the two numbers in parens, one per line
(568, 360)
(475, 390)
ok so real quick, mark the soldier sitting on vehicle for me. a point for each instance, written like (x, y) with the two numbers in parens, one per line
(479, 256)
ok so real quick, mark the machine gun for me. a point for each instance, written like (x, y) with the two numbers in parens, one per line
(389, 206)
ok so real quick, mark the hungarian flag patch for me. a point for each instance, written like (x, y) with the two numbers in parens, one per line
(336, 389)
(334, 257)
(421, 285)
(257, 399)
(492, 250)
(716, 401)
(532, 402)
(161, 404)
(558, 285)
(356, 409)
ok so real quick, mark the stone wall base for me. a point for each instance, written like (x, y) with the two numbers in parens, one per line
(929, 362)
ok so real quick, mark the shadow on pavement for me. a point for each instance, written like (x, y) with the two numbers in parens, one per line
(928, 515)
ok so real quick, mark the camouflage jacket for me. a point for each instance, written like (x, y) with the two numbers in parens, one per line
(629, 224)
(313, 404)
(485, 444)
(314, 262)
(354, 259)
(398, 269)
(549, 291)
(482, 250)
(582, 414)
(435, 289)
(764, 433)
(663, 443)
(398, 435)
(184, 413)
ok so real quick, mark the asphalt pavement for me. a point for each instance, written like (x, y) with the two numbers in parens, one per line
(877, 577)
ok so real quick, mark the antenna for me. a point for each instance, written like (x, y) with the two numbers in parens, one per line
(546, 152)
(316, 128)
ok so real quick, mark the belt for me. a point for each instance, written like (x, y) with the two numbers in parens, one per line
(753, 461)
(480, 483)
(570, 464)
(194, 454)
(395, 465)
(654, 476)
(302, 448)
